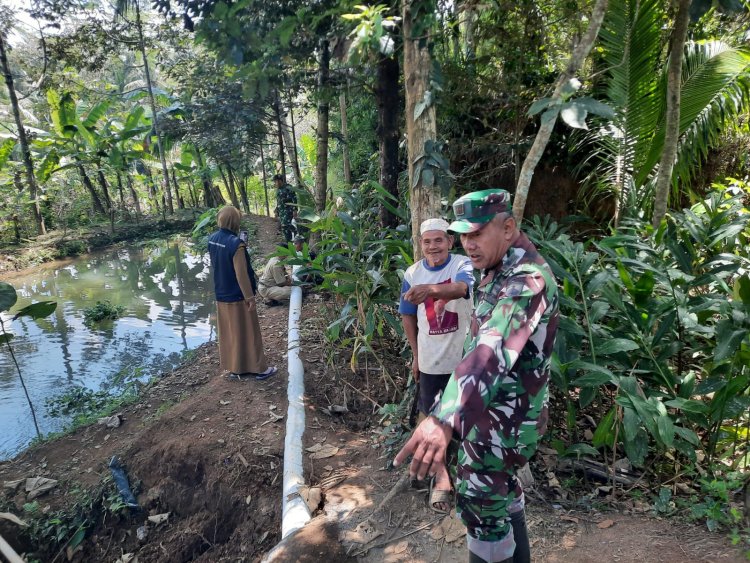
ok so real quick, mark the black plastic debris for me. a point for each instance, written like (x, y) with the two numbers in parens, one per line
(121, 480)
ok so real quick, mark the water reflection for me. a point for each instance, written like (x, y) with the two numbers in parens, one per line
(165, 289)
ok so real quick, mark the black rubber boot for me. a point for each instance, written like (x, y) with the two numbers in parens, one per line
(522, 554)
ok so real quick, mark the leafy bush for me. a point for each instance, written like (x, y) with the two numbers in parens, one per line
(361, 264)
(655, 329)
(71, 248)
(204, 226)
(103, 310)
(78, 401)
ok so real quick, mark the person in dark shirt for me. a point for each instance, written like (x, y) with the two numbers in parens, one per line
(286, 211)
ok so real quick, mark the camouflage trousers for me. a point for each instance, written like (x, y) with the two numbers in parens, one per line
(485, 500)
(287, 229)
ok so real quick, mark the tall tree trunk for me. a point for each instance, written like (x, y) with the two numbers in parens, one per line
(580, 53)
(192, 193)
(469, 22)
(152, 191)
(229, 183)
(96, 202)
(178, 196)
(265, 179)
(105, 188)
(291, 148)
(120, 191)
(16, 219)
(345, 135)
(134, 195)
(22, 140)
(208, 192)
(280, 136)
(294, 139)
(152, 103)
(321, 166)
(672, 125)
(240, 183)
(218, 197)
(424, 196)
(387, 99)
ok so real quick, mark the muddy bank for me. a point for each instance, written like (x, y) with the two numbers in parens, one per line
(60, 244)
(202, 448)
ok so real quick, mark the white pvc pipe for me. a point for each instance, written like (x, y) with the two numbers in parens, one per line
(295, 513)
(9, 553)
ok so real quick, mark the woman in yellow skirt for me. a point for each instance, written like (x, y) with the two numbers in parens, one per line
(240, 342)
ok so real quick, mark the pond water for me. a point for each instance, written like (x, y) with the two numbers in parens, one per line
(166, 290)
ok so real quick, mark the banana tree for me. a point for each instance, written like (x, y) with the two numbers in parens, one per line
(23, 140)
(83, 137)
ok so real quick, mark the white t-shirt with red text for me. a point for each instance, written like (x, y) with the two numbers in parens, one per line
(441, 324)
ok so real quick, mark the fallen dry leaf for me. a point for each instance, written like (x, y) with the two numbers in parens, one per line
(13, 484)
(113, 421)
(37, 486)
(365, 532)
(568, 542)
(450, 528)
(604, 524)
(324, 451)
(312, 497)
(159, 518)
(398, 548)
(570, 519)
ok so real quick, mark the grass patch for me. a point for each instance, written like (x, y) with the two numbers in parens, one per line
(102, 311)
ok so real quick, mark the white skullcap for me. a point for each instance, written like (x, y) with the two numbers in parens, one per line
(433, 225)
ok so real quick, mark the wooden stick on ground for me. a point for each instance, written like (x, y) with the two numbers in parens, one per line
(402, 536)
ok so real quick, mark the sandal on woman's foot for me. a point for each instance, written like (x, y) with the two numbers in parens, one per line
(266, 374)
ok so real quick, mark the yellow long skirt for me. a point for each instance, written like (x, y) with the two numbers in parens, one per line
(240, 341)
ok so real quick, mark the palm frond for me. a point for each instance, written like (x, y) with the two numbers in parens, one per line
(715, 89)
(631, 39)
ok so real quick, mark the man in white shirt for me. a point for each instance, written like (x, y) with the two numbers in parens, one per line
(435, 309)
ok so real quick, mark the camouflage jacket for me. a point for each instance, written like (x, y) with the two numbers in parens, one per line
(496, 401)
(285, 199)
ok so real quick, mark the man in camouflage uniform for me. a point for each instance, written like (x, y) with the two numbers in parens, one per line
(286, 199)
(496, 401)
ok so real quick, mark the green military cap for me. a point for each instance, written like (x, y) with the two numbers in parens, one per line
(475, 209)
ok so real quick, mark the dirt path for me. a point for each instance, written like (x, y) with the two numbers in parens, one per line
(208, 451)
(357, 479)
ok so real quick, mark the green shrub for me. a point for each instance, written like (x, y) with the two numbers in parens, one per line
(103, 310)
(655, 330)
(71, 248)
(361, 264)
